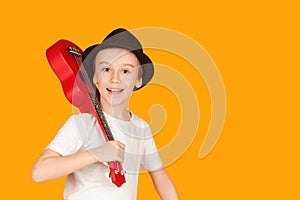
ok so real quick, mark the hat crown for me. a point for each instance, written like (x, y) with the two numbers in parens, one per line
(124, 39)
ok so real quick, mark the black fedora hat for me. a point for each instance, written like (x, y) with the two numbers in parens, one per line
(120, 38)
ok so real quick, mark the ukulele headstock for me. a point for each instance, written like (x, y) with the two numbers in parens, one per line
(74, 51)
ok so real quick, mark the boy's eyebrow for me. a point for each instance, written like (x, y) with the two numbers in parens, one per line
(103, 62)
(108, 63)
(125, 64)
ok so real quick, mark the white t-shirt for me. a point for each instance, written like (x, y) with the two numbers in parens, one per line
(82, 132)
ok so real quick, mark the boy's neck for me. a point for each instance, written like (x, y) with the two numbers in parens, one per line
(119, 112)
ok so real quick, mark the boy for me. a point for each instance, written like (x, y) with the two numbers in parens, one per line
(117, 67)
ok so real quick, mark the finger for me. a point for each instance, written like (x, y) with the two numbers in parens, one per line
(120, 145)
(121, 156)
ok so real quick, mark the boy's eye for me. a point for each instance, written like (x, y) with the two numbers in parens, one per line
(105, 69)
(126, 71)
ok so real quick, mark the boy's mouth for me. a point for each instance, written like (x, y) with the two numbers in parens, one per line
(114, 90)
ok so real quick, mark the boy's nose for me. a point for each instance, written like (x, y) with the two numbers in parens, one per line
(115, 77)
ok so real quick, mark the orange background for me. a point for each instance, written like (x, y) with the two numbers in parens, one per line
(255, 46)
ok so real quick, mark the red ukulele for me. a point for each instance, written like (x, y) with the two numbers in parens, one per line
(64, 58)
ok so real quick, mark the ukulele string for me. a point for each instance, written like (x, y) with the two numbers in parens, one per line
(92, 93)
(83, 74)
(92, 89)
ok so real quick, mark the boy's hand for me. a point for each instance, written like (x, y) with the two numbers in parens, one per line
(110, 151)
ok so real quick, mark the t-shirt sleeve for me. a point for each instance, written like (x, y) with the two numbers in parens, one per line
(151, 160)
(69, 139)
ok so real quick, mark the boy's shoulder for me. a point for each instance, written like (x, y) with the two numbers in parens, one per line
(138, 120)
(84, 117)
(82, 120)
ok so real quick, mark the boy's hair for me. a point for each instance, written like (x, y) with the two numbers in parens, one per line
(120, 38)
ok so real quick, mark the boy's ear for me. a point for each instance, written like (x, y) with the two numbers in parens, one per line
(94, 80)
(139, 83)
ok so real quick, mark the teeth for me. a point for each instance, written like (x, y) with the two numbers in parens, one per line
(115, 90)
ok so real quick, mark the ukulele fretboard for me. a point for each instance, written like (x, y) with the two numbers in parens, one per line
(100, 113)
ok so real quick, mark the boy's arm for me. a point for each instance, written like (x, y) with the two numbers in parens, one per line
(164, 185)
(51, 165)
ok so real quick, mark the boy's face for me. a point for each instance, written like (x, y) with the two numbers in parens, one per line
(116, 74)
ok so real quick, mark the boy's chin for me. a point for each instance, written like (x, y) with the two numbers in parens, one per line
(117, 100)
